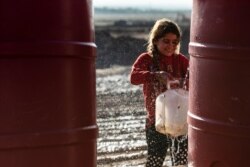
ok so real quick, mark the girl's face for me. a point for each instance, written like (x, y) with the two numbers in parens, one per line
(167, 44)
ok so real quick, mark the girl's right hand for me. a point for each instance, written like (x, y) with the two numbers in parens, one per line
(163, 76)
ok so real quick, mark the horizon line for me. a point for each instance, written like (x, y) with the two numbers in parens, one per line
(141, 8)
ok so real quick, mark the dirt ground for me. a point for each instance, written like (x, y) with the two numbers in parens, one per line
(121, 121)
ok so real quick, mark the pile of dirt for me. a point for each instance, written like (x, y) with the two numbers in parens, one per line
(121, 45)
(121, 50)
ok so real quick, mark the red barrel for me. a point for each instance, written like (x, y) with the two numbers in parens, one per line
(219, 115)
(47, 72)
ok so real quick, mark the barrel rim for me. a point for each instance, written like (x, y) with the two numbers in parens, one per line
(224, 52)
(217, 127)
(35, 49)
(49, 138)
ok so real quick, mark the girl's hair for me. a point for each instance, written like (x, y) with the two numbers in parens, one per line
(160, 28)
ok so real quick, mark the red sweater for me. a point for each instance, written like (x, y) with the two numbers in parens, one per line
(143, 73)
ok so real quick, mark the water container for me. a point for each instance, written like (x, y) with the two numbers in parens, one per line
(47, 71)
(171, 112)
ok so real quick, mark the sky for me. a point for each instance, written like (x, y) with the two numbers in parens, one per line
(148, 4)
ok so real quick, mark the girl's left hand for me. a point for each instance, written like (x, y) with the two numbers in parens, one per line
(174, 84)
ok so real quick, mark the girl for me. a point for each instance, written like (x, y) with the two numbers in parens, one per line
(161, 63)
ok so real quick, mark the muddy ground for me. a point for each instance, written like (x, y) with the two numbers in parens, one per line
(121, 120)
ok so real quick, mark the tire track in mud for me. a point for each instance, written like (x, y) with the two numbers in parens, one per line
(121, 122)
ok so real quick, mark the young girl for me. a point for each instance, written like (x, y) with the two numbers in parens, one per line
(161, 63)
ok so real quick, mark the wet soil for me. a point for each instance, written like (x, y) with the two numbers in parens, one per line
(121, 120)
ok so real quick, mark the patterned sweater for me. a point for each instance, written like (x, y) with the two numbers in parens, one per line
(143, 73)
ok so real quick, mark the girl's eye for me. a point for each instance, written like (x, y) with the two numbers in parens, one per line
(173, 42)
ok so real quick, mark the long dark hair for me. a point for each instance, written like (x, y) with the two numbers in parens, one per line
(161, 28)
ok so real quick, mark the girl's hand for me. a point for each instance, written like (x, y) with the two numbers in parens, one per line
(174, 84)
(163, 76)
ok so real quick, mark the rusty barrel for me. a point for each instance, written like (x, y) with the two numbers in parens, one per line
(219, 109)
(47, 73)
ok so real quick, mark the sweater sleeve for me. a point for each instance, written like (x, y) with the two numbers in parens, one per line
(140, 73)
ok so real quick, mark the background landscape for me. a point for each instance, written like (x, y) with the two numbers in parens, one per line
(121, 35)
